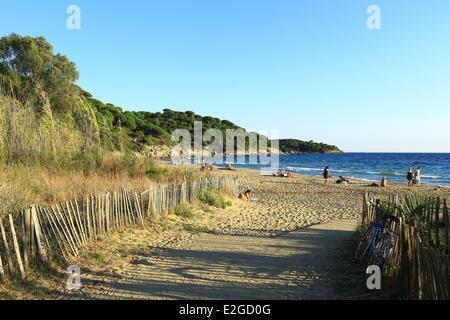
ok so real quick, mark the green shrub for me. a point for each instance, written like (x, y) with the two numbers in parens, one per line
(213, 199)
(153, 170)
(130, 163)
(413, 207)
(194, 229)
(184, 212)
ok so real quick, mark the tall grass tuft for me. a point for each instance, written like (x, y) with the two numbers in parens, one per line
(413, 207)
(213, 199)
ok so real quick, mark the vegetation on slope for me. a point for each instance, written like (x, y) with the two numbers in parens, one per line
(64, 122)
(299, 146)
(56, 141)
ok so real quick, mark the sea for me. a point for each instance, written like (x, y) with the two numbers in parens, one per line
(369, 166)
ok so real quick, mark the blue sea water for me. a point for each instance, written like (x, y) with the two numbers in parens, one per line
(371, 166)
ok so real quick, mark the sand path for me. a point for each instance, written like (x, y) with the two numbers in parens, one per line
(310, 263)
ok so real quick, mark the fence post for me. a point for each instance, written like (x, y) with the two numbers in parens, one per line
(377, 209)
(38, 233)
(138, 208)
(2, 271)
(16, 247)
(24, 238)
(88, 218)
(429, 222)
(31, 234)
(447, 223)
(80, 222)
(93, 217)
(438, 207)
(364, 211)
(7, 249)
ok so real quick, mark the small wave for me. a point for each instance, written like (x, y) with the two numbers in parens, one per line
(342, 171)
(390, 174)
(433, 177)
(303, 169)
(383, 174)
(317, 169)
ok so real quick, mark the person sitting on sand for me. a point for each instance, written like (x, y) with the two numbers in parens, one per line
(326, 174)
(342, 180)
(409, 176)
(284, 174)
(246, 195)
(384, 182)
(281, 174)
(228, 166)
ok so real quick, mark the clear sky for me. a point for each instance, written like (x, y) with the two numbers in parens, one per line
(311, 69)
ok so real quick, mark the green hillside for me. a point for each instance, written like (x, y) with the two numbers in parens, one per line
(46, 117)
(299, 146)
(153, 128)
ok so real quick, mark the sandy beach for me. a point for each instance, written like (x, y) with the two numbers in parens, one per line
(286, 204)
(310, 225)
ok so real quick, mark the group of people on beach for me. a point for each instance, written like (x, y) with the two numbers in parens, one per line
(414, 178)
(205, 167)
(327, 176)
(284, 174)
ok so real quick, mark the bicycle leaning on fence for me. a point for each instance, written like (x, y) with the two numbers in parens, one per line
(378, 241)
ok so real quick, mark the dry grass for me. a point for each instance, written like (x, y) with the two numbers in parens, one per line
(30, 137)
(21, 185)
(46, 159)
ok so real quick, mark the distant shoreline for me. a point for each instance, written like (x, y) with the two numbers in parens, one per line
(312, 176)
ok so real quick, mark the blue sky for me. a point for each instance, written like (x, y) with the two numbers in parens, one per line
(311, 69)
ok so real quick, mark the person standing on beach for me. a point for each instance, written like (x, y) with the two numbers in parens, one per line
(417, 176)
(409, 176)
(326, 174)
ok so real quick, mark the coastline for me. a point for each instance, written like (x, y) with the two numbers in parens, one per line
(353, 181)
(370, 167)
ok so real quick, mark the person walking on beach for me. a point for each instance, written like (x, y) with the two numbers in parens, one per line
(409, 176)
(326, 174)
(417, 176)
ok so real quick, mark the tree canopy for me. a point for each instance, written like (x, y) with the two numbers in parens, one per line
(30, 69)
(299, 146)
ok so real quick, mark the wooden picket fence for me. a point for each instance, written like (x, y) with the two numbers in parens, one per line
(420, 263)
(39, 234)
